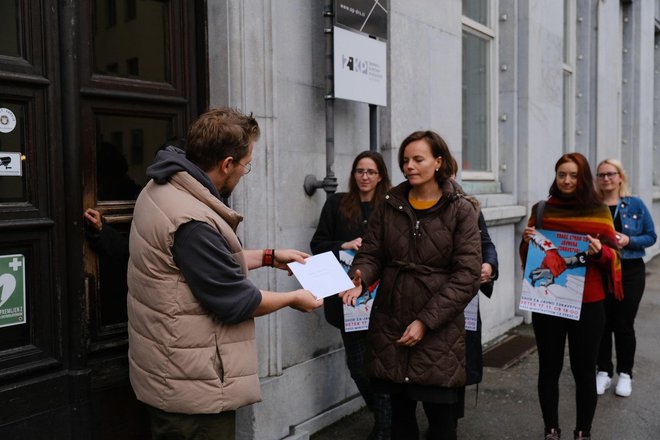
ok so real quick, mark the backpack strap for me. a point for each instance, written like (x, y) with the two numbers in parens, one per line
(539, 213)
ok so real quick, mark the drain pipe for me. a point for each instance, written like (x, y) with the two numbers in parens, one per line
(329, 183)
(373, 127)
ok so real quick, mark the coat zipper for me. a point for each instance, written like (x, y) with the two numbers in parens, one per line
(416, 234)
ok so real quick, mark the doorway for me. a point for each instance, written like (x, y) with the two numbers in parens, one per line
(90, 93)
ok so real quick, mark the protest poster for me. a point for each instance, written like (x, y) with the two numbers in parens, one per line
(553, 281)
(357, 318)
(470, 313)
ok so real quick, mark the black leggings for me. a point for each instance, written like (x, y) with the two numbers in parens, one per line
(583, 343)
(620, 320)
(442, 417)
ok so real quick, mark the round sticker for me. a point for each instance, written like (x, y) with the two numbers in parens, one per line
(7, 120)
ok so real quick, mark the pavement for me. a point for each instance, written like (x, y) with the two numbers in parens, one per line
(505, 404)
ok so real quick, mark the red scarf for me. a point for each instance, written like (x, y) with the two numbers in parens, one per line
(567, 216)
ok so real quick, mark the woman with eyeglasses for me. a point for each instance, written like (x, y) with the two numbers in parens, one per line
(343, 220)
(574, 207)
(635, 232)
(424, 246)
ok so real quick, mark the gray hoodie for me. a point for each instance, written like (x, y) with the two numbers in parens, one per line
(202, 254)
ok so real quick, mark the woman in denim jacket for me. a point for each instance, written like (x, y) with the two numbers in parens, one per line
(635, 232)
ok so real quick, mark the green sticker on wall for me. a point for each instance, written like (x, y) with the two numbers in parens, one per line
(12, 290)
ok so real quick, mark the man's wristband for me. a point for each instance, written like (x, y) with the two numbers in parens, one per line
(268, 258)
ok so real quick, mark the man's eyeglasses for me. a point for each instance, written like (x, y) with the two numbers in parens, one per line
(359, 172)
(609, 175)
(246, 167)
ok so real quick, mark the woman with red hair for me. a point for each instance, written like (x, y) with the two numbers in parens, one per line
(574, 206)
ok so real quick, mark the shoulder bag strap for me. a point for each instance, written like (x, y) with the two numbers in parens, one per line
(539, 213)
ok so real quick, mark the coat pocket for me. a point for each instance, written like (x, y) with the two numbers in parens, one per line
(217, 362)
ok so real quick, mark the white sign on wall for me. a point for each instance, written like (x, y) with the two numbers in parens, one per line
(10, 164)
(360, 67)
(7, 120)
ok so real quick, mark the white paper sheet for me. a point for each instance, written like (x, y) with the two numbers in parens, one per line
(322, 275)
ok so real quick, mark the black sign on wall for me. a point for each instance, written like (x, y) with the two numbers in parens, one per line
(368, 16)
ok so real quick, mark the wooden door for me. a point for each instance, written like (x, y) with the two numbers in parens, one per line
(88, 92)
(139, 88)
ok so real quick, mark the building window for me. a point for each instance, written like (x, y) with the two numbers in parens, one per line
(479, 57)
(568, 105)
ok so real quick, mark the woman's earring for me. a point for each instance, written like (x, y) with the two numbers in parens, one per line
(437, 169)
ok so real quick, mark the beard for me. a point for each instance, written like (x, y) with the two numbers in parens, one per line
(228, 187)
(225, 193)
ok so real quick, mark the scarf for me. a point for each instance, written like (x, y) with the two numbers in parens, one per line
(567, 216)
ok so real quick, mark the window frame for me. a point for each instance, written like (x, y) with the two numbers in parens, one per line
(489, 34)
(656, 107)
(177, 13)
(569, 84)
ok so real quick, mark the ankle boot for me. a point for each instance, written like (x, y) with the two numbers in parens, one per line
(581, 435)
(552, 434)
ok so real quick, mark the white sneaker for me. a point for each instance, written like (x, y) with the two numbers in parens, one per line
(624, 385)
(603, 382)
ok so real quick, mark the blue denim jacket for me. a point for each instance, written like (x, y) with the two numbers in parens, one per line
(636, 223)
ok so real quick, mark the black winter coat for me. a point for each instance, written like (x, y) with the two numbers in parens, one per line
(429, 269)
(473, 349)
(332, 231)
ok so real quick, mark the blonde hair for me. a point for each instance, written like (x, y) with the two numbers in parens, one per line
(624, 190)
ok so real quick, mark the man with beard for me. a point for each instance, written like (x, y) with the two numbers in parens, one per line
(191, 307)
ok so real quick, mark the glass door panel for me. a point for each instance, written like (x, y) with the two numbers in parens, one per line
(131, 39)
(11, 42)
(125, 147)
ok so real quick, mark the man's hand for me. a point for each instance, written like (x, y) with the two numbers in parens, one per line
(300, 299)
(413, 334)
(305, 301)
(285, 256)
(349, 297)
(94, 219)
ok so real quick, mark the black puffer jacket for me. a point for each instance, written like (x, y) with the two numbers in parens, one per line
(429, 270)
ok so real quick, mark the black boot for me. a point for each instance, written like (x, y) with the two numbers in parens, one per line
(552, 434)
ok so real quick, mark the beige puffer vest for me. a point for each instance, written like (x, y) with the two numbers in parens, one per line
(181, 358)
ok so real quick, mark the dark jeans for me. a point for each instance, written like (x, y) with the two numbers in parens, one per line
(583, 343)
(174, 426)
(442, 418)
(620, 320)
(355, 345)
